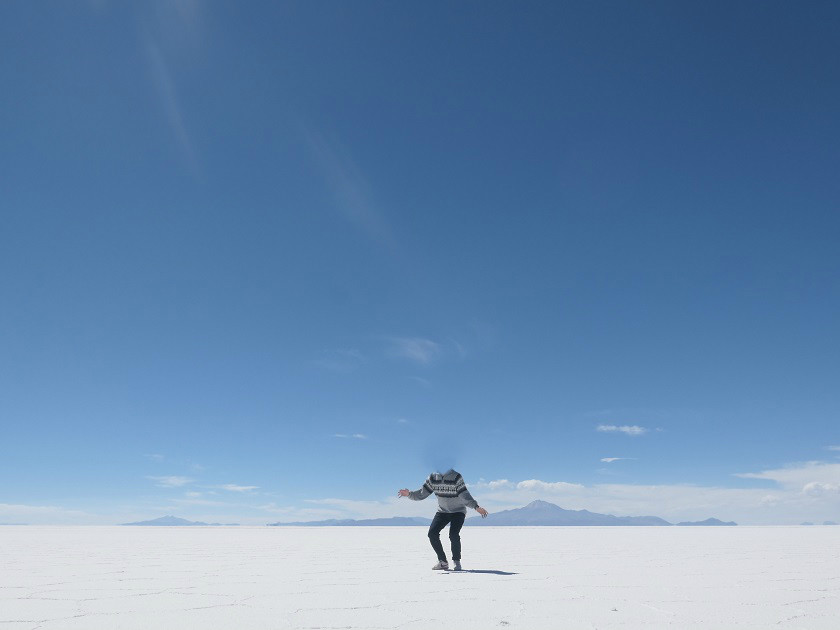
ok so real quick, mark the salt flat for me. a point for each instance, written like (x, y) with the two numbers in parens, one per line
(543, 577)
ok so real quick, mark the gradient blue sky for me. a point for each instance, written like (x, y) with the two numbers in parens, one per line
(272, 261)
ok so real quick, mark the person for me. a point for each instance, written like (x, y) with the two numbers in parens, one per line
(453, 501)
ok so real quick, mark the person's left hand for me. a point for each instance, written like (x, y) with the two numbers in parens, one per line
(481, 511)
(404, 492)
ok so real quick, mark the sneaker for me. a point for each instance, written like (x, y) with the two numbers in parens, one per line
(457, 565)
(443, 565)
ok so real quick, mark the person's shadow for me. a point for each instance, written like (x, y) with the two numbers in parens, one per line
(484, 571)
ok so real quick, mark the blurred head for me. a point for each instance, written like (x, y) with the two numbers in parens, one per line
(439, 458)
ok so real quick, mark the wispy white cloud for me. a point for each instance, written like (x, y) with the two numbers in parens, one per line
(232, 487)
(171, 36)
(204, 502)
(610, 460)
(458, 348)
(833, 448)
(546, 486)
(416, 349)
(421, 381)
(354, 436)
(171, 481)
(167, 93)
(633, 430)
(403, 421)
(798, 476)
(155, 457)
(820, 488)
(351, 191)
(530, 485)
(500, 483)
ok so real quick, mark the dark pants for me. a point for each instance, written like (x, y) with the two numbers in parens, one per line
(455, 521)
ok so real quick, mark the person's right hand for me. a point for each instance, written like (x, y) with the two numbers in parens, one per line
(481, 511)
(404, 492)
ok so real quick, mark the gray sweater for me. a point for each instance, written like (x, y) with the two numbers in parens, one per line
(451, 491)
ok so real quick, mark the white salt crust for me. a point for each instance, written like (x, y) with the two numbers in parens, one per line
(87, 578)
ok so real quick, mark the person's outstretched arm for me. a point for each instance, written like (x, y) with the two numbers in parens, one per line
(417, 495)
(461, 489)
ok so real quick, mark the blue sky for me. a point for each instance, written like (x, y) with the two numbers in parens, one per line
(277, 261)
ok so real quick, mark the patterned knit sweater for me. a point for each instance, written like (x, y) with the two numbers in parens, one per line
(451, 492)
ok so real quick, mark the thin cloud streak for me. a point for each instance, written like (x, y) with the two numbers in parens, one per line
(633, 430)
(171, 481)
(167, 93)
(797, 476)
(232, 487)
(416, 349)
(350, 189)
(460, 350)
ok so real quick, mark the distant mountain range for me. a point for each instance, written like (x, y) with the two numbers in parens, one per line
(543, 513)
(174, 521)
(536, 513)
(712, 522)
(400, 521)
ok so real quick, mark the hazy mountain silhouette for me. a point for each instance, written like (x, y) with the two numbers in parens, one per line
(400, 521)
(543, 513)
(174, 521)
(712, 522)
(536, 513)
